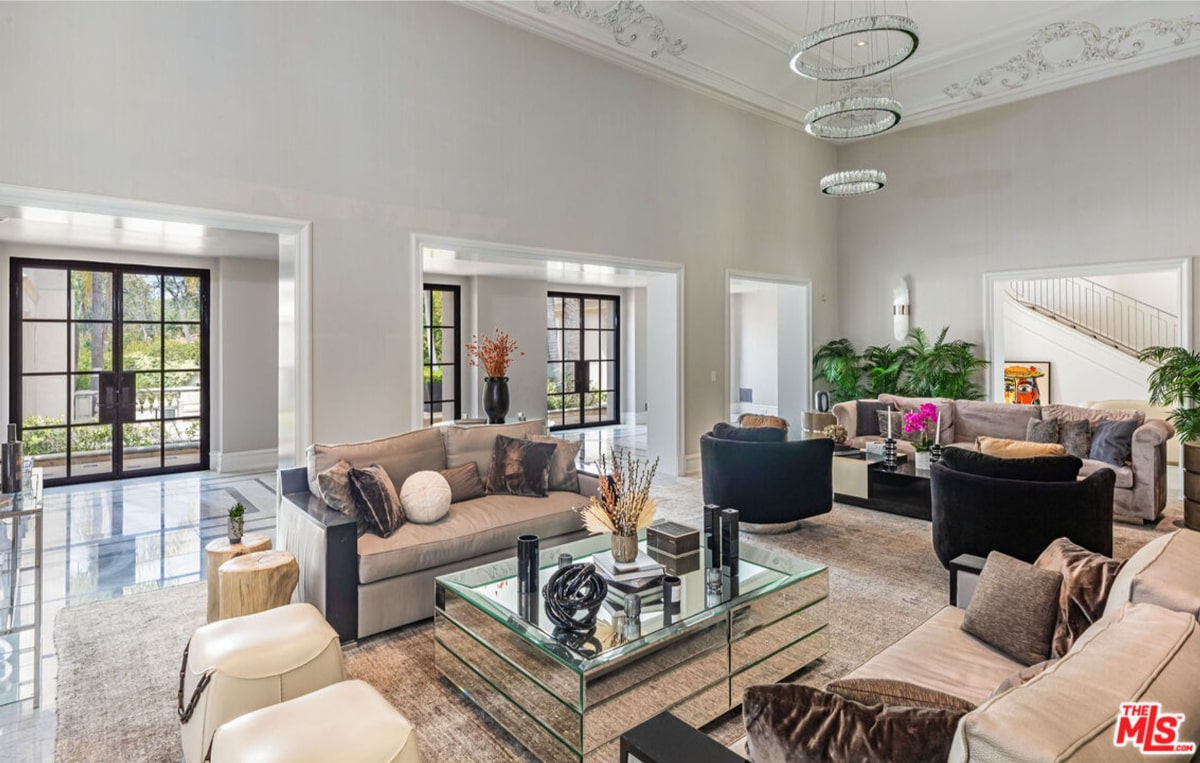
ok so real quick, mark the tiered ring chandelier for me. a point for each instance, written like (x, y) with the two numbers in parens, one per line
(854, 49)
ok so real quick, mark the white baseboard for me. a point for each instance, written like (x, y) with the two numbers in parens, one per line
(691, 464)
(243, 461)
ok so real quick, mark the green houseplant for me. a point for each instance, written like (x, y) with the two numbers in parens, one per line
(883, 369)
(237, 519)
(940, 368)
(1176, 382)
(837, 363)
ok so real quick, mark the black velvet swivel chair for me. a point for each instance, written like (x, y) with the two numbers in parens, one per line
(769, 483)
(973, 514)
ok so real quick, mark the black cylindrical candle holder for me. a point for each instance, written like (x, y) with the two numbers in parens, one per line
(565, 560)
(527, 563)
(729, 537)
(712, 540)
(889, 452)
(672, 593)
(529, 606)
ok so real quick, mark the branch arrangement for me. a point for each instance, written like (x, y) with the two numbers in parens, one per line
(624, 505)
(493, 353)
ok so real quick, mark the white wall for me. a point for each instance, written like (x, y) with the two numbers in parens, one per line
(1105, 172)
(757, 345)
(1155, 288)
(517, 307)
(380, 120)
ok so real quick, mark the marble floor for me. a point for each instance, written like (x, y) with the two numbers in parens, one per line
(108, 539)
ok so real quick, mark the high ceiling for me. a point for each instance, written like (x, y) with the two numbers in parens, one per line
(972, 55)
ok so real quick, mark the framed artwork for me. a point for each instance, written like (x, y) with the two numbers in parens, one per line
(1026, 382)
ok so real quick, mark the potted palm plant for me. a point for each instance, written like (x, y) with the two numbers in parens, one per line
(836, 362)
(1176, 383)
(940, 368)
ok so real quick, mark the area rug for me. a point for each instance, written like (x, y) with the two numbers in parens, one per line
(119, 659)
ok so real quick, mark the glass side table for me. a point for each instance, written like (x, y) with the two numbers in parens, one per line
(21, 594)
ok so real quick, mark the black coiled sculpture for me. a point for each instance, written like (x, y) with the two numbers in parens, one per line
(574, 594)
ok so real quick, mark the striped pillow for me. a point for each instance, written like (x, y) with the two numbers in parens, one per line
(378, 504)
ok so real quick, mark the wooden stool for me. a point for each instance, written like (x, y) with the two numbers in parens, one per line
(256, 582)
(219, 551)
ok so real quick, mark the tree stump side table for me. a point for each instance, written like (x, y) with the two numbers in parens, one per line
(256, 582)
(219, 551)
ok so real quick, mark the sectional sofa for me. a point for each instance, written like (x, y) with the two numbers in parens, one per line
(1141, 485)
(368, 584)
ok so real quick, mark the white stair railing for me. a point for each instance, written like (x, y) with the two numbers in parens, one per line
(1094, 309)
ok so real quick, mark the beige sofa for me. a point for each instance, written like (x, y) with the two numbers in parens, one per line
(1141, 491)
(1149, 411)
(368, 584)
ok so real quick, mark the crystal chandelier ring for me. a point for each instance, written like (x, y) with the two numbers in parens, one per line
(866, 24)
(841, 120)
(853, 183)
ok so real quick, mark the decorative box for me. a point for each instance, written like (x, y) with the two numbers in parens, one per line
(676, 565)
(672, 538)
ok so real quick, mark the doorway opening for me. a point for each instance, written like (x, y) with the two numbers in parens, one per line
(768, 346)
(583, 360)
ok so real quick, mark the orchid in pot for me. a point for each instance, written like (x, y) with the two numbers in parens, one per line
(926, 423)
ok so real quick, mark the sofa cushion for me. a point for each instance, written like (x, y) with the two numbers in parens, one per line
(1014, 608)
(1076, 437)
(1124, 473)
(1142, 653)
(1042, 430)
(475, 443)
(965, 666)
(723, 431)
(400, 456)
(975, 417)
(1023, 676)
(468, 530)
(564, 475)
(464, 482)
(425, 497)
(1087, 579)
(1005, 448)
(1112, 442)
(378, 503)
(1162, 572)
(791, 723)
(885, 691)
(520, 467)
(1092, 416)
(868, 421)
(1036, 469)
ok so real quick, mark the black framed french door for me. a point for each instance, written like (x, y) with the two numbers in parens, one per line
(108, 371)
(583, 372)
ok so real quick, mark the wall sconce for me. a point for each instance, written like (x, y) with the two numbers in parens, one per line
(900, 310)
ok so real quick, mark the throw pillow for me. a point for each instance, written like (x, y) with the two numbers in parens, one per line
(1112, 441)
(723, 431)
(755, 420)
(425, 497)
(464, 482)
(1014, 608)
(1087, 579)
(887, 691)
(1076, 437)
(378, 504)
(866, 412)
(520, 467)
(563, 473)
(898, 432)
(334, 484)
(1036, 469)
(1042, 430)
(1003, 448)
(789, 723)
(1022, 676)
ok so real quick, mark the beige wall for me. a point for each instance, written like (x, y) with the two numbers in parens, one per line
(1106, 172)
(377, 121)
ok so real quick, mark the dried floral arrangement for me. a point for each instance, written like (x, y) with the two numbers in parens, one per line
(493, 353)
(624, 505)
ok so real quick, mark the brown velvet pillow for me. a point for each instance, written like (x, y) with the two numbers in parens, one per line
(1087, 579)
(378, 504)
(464, 482)
(520, 467)
(887, 691)
(563, 473)
(1014, 608)
(334, 484)
(1075, 437)
(789, 723)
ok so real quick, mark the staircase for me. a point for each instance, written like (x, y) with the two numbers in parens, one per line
(1115, 319)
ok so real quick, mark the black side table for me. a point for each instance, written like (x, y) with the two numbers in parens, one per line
(665, 739)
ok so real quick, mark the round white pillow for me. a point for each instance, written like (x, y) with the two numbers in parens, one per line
(425, 497)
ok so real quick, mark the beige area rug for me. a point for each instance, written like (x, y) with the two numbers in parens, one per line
(119, 659)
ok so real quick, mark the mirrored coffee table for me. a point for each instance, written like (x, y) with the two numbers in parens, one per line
(568, 704)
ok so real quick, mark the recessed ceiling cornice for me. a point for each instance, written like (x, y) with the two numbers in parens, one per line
(737, 52)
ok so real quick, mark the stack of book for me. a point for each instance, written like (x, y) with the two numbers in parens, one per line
(628, 577)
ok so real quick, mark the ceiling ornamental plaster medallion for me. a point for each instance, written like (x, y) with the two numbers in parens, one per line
(1116, 44)
(618, 18)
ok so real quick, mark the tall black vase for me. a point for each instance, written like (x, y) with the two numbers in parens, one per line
(495, 398)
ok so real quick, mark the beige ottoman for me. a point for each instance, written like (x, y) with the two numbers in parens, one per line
(348, 722)
(232, 667)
